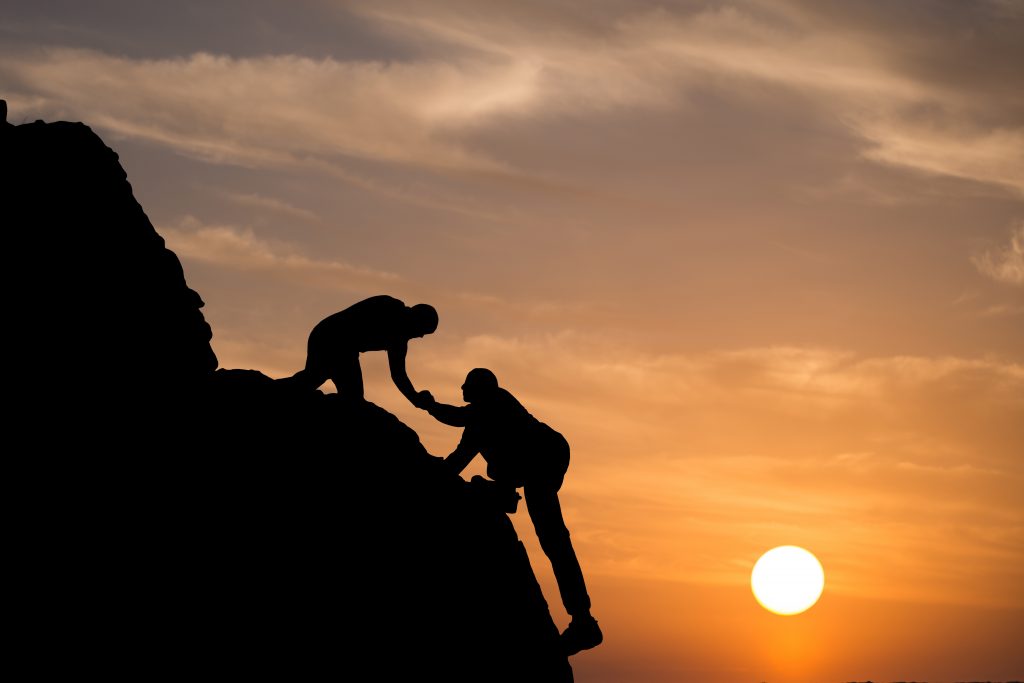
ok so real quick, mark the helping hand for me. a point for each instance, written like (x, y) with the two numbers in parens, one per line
(424, 400)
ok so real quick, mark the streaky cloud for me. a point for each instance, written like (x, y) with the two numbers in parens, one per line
(1004, 264)
(238, 248)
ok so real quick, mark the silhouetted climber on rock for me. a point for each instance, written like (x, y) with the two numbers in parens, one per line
(380, 323)
(520, 450)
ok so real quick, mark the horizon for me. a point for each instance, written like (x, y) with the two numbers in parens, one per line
(761, 263)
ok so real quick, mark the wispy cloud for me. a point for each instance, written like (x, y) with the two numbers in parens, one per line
(276, 109)
(490, 66)
(983, 155)
(260, 202)
(690, 400)
(1002, 311)
(652, 56)
(1006, 263)
(237, 248)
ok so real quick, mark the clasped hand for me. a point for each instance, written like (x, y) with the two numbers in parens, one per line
(424, 400)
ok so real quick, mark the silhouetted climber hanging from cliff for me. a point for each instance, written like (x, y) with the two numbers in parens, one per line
(380, 323)
(520, 450)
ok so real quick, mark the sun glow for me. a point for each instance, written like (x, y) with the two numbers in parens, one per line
(787, 580)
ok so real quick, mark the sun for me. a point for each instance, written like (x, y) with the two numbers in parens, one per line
(787, 580)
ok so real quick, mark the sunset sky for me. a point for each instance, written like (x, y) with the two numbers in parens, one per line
(761, 261)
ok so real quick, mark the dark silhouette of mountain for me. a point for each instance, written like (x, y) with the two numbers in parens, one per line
(169, 517)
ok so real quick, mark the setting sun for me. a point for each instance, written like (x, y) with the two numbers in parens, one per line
(787, 580)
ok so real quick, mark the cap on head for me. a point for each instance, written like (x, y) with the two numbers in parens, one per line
(424, 318)
(481, 378)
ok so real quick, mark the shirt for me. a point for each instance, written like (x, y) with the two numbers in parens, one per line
(375, 324)
(517, 446)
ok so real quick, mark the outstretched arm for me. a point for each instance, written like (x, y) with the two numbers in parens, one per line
(396, 361)
(453, 416)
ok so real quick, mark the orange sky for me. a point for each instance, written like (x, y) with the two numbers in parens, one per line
(761, 262)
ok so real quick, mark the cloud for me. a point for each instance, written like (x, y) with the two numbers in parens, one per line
(237, 248)
(260, 202)
(988, 156)
(1004, 264)
(1002, 311)
(907, 114)
(474, 70)
(688, 404)
(277, 109)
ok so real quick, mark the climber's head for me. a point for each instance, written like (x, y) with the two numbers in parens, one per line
(480, 383)
(422, 320)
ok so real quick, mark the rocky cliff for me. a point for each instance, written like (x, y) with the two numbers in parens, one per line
(174, 518)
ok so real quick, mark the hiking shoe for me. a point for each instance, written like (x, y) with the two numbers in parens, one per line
(583, 633)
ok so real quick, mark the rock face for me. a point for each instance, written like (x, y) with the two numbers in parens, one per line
(105, 300)
(171, 517)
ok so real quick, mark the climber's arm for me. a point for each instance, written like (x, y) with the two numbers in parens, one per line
(396, 361)
(462, 455)
(453, 416)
